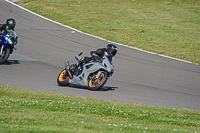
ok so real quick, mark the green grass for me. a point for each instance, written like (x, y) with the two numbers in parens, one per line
(169, 27)
(30, 111)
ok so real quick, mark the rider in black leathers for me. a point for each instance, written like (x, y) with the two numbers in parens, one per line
(10, 24)
(110, 50)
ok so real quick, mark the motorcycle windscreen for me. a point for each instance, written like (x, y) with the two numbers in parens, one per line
(14, 36)
(110, 58)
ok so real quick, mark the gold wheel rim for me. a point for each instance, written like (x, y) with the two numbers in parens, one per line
(94, 83)
(61, 76)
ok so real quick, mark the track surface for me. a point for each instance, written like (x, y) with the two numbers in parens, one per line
(139, 78)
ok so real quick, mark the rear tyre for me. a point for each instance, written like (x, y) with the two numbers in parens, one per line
(95, 84)
(63, 78)
(4, 56)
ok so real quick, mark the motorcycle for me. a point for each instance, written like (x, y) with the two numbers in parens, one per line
(92, 74)
(7, 42)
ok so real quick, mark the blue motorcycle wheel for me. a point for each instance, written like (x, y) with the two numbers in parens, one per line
(63, 78)
(4, 56)
(95, 84)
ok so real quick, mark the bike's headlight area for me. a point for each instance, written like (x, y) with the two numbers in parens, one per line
(9, 41)
(112, 68)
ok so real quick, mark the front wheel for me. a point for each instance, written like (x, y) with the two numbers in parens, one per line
(4, 56)
(63, 78)
(95, 84)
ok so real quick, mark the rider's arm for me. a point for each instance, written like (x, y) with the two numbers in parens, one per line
(100, 52)
(92, 52)
(3, 28)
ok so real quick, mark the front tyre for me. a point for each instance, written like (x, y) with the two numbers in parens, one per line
(95, 84)
(63, 78)
(4, 56)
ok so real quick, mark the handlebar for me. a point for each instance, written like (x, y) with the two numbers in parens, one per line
(80, 53)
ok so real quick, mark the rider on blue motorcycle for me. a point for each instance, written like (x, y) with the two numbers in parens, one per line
(10, 25)
(110, 51)
(8, 39)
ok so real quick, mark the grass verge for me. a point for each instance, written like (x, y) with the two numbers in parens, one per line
(169, 27)
(30, 111)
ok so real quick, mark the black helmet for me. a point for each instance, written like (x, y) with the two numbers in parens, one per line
(10, 23)
(111, 49)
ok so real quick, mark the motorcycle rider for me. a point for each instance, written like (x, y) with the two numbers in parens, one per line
(110, 51)
(10, 25)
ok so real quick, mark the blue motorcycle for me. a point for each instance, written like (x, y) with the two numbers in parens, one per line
(7, 42)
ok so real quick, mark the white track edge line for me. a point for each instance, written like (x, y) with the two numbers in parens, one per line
(97, 36)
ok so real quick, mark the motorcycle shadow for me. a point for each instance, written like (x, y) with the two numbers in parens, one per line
(10, 62)
(104, 88)
(107, 88)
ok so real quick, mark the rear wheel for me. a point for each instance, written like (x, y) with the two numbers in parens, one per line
(63, 78)
(95, 84)
(4, 56)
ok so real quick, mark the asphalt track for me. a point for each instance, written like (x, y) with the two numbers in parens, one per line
(139, 78)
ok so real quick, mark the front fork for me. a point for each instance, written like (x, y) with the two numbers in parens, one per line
(1, 52)
(67, 67)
